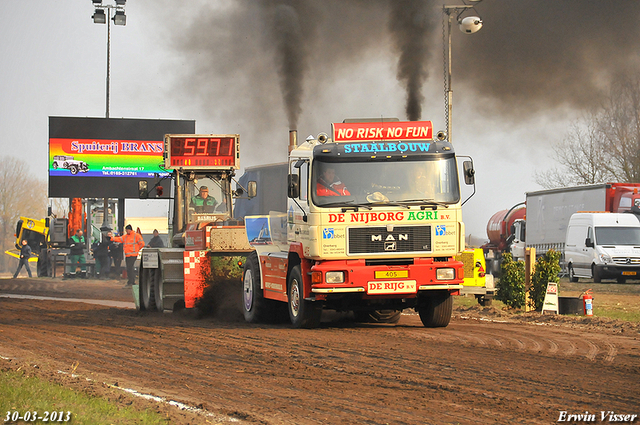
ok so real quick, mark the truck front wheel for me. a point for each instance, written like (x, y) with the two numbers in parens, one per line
(253, 303)
(435, 310)
(303, 313)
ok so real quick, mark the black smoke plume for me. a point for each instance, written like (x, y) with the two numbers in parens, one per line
(410, 23)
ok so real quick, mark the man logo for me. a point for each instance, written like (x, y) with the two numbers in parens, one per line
(390, 246)
(401, 237)
(327, 233)
(441, 229)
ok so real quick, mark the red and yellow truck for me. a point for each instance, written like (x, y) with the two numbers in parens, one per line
(372, 224)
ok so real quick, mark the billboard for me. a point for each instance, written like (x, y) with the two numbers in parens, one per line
(107, 157)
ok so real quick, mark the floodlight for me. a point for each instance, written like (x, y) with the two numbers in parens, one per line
(120, 18)
(99, 17)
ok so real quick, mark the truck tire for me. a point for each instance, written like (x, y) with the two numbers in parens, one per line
(254, 305)
(147, 290)
(303, 313)
(378, 316)
(435, 310)
(572, 274)
(595, 272)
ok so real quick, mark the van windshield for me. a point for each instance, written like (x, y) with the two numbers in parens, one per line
(618, 235)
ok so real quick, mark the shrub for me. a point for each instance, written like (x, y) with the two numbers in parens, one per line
(511, 284)
(547, 270)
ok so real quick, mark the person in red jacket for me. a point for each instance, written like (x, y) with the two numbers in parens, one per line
(329, 185)
(132, 243)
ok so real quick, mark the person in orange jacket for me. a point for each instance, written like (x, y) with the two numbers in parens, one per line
(329, 185)
(132, 243)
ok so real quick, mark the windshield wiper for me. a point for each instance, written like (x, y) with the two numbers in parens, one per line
(393, 204)
(427, 202)
(345, 208)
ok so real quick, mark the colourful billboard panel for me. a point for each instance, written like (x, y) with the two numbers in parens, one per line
(108, 157)
(99, 158)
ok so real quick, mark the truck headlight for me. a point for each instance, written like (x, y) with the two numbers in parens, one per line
(445, 274)
(605, 258)
(334, 277)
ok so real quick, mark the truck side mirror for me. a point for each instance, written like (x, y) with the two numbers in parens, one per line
(293, 186)
(588, 242)
(469, 172)
(252, 189)
(143, 189)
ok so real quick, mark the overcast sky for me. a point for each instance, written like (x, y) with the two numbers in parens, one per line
(518, 83)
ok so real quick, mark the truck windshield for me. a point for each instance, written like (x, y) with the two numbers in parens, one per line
(618, 236)
(204, 199)
(392, 182)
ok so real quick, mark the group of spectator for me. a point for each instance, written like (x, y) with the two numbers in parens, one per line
(110, 251)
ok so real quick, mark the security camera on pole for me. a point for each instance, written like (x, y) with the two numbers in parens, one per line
(468, 25)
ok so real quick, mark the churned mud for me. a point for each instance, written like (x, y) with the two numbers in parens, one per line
(487, 366)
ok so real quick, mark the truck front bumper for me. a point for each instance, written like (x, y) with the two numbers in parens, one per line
(384, 280)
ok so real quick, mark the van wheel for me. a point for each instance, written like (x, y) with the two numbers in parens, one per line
(595, 272)
(572, 274)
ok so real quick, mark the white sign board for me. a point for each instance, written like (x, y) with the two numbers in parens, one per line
(550, 304)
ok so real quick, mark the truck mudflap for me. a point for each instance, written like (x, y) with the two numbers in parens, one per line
(355, 276)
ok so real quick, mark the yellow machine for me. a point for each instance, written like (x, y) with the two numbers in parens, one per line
(476, 281)
(35, 232)
(41, 235)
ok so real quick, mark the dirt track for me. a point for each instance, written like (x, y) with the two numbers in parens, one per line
(474, 371)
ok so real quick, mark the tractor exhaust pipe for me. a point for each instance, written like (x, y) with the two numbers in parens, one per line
(293, 140)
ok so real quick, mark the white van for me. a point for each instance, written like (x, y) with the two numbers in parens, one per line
(603, 245)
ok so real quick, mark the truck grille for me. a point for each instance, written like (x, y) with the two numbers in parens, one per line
(371, 240)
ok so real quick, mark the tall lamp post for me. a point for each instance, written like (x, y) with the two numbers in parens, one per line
(119, 18)
(100, 17)
(468, 25)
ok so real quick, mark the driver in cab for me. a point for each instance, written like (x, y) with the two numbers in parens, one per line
(329, 185)
(202, 202)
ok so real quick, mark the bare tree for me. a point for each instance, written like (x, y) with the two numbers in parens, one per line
(581, 155)
(619, 125)
(20, 195)
(604, 145)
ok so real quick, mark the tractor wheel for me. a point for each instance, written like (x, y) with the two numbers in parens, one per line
(435, 310)
(147, 290)
(303, 313)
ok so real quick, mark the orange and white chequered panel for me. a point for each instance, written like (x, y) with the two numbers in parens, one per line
(192, 260)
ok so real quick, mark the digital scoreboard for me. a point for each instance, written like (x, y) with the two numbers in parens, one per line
(202, 151)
